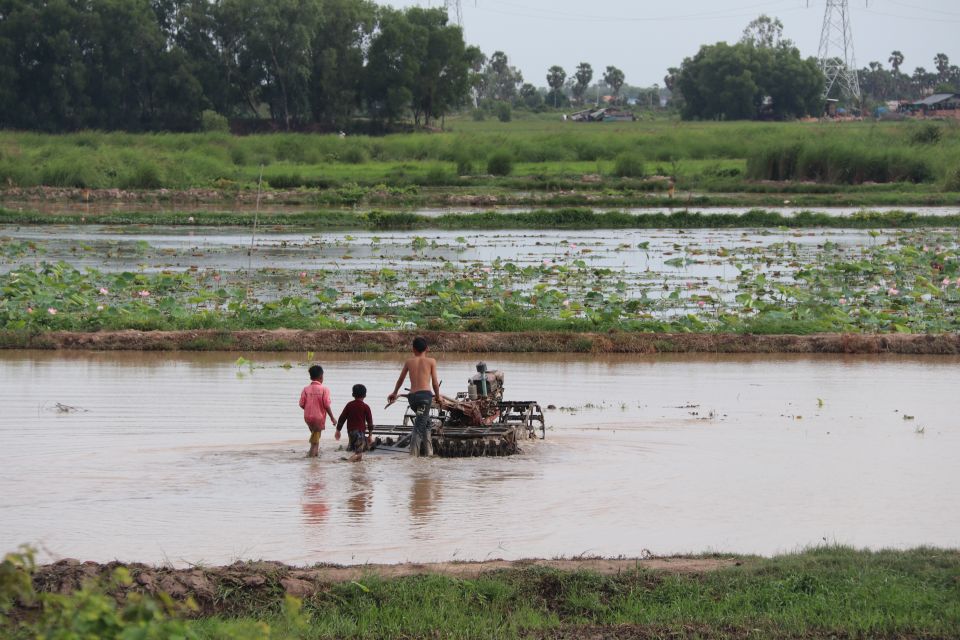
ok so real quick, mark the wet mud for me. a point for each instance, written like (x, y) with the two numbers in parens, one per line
(346, 341)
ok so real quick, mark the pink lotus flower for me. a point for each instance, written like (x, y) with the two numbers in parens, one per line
(843, 301)
(29, 309)
(486, 269)
(99, 307)
(573, 245)
(216, 277)
(144, 294)
(566, 303)
(52, 311)
(303, 274)
(701, 304)
(892, 291)
(104, 291)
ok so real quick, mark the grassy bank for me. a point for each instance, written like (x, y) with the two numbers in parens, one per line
(827, 592)
(545, 153)
(566, 218)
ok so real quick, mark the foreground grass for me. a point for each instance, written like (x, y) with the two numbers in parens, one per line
(826, 592)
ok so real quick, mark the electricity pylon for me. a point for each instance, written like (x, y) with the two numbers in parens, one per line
(837, 60)
(457, 10)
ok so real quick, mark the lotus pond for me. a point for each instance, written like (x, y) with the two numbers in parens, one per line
(743, 280)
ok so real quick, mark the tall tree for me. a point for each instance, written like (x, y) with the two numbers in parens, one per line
(732, 82)
(338, 51)
(583, 76)
(613, 78)
(765, 32)
(502, 80)
(943, 66)
(556, 76)
(895, 60)
(268, 46)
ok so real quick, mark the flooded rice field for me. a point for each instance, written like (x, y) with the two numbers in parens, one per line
(641, 251)
(188, 458)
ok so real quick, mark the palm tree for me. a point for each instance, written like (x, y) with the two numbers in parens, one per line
(943, 65)
(895, 60)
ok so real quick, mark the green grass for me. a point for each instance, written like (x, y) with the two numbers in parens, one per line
(701, 155)
(824, 592)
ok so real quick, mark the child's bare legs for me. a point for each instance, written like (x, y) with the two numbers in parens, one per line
(314, 442)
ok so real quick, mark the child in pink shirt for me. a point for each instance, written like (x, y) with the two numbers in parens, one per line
(316, 405)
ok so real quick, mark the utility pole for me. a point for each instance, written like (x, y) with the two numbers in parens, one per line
(837, 60)
(457, 6)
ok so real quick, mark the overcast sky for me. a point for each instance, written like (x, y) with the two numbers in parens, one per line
(645, 37)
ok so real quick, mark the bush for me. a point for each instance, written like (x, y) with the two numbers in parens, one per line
(144, 175)
(354, 155)
(212, 121)
(478, 115)
(628, 165)
(837, 163)
(927, 133)
(500, 164)
(504, 112)
(464, 164)
(953, 179)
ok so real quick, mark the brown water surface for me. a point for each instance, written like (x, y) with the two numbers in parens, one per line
(187, 458)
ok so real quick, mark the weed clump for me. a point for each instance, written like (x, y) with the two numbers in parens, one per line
(825, 161)
(628, 165)
(500, 164)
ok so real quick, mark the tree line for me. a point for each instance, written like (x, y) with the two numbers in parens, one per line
(879, 84)
(150, 65)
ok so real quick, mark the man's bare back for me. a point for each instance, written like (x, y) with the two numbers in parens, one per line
(423, 375)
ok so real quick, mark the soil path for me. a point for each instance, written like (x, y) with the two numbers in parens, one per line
(204, 584)
(467, 342)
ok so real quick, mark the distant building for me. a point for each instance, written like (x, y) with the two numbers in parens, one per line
(939, 104)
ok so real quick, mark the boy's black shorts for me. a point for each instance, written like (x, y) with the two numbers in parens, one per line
(358, 441)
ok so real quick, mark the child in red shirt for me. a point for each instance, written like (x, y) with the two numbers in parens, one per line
(316, 405)
(359, 421)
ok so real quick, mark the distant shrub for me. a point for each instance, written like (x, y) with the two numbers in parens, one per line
(926, 133)
(67, 171)
(478, 115)
(354, 154)
(437, 175)
(837, 164)
(143, 175)
(953, 179)
(212, 121)
(504, 112)
(464, 164)
(628, 165)
(500, 164)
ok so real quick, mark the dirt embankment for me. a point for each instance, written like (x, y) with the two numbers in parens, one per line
(465, 342)
(221, 589)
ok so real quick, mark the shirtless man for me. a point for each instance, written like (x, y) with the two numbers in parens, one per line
(423, 378)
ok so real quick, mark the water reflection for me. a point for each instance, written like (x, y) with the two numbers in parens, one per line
(425, 494)
(315, 503)
(361, 492)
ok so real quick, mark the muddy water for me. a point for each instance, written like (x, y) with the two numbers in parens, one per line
(187, 458)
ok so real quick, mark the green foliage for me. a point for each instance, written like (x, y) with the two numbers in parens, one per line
(628, 165)
(504, 112)
(927, 133)
(829, 161)
(500, 164)
(213, 122)
(730, 82)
